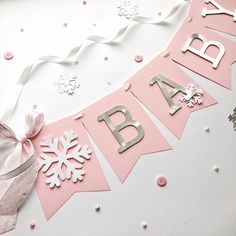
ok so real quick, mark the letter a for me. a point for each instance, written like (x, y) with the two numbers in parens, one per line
(160, 80)
(115, 129)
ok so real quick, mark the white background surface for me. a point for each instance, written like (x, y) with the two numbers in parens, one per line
(197, 201)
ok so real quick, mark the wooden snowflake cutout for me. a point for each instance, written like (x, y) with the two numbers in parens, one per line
(71, 155)
(67, 83)
(192, 96)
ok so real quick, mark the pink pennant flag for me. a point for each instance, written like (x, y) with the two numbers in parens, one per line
(172, 77)
(68, 164)
(204, 52)
(123, 131)
(216, 14)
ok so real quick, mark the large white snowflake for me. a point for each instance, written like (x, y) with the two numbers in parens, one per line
(67, 83)
(127, 9)
(193, 96)
(232, 118)
(69, 153)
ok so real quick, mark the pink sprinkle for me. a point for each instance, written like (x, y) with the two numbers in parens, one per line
(161, 180)
(8, 55)
(32, 226)
(138, 58)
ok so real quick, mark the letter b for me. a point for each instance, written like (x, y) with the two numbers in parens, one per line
(115, 129)
(202, 51)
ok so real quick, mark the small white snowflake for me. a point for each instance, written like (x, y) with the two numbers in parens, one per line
(67, 83)
(71, 150)
(232, 118)
(193, 96)
(127, 9)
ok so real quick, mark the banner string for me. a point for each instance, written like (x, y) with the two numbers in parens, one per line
(74, 53)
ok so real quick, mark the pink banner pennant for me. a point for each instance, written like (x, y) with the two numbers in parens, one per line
(68, 164)
(151, 94)
(216, 14)
(122, 131)
(204, 52)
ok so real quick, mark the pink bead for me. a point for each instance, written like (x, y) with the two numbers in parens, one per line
(84, 2)
(161, 180)
(8, 55)
(32, 226)
(138, 58)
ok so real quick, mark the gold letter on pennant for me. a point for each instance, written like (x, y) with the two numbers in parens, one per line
(115, 129)
(206, 44)
(219, 10)
(160, 80)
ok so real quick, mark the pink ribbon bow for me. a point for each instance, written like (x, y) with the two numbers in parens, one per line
(18, 168)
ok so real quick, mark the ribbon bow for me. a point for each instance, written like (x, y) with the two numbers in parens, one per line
(18, 168)
(13, 147)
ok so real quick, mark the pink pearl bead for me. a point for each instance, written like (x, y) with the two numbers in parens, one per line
(161, 180)
(138, 58)
(32, 226)
(8, 55)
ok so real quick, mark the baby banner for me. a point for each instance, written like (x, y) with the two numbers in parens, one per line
(120, 127)
(117, 123)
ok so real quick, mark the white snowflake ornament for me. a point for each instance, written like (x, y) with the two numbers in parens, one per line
(193, 96)
(127, 9)
(71, 150)
(67, 83)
